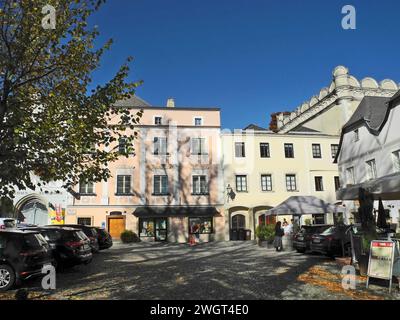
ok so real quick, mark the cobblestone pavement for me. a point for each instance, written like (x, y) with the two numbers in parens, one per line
(227, 270)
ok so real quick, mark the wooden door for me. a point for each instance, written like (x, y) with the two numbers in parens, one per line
(116, 225)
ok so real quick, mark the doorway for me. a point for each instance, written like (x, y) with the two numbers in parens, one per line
(116, 225)
(238, 225)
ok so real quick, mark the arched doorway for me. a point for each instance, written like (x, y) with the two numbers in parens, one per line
(238, 221)
(238, 227)
(33, 210)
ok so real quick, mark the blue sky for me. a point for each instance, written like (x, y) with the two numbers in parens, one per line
(248, 57)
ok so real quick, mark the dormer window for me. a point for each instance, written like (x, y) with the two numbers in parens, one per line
(157, 120)
(198, 121)
(356, 135)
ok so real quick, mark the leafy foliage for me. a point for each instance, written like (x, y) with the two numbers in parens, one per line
(49, 116)
(265, 232)
(129, 236)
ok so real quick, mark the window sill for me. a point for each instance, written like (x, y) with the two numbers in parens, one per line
(241, 191)
(87, 194)
(267, 191)
(201, 194)
(161, 154)
(292, 190)
(123, 194)
(160, 194)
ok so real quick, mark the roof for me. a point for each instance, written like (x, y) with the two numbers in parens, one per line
(395, 97)
(299, 205)
(371, 111)
(133, 101)
(303, 129)
(255, 127)
(172, 211)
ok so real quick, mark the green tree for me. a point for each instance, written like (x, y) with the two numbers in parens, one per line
(48, 112)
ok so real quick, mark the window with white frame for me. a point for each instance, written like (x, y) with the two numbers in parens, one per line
(86, 187)
(124, 184)
(240, 150)
(396, 161)
(123, 145)
(199, 146)
(241, 183)
(371, 169)
(160, 145)
(157, 120)
(350, 178)
(291, 184)
(199, 184)
(198, 121)
(266, 182)
(160, 186)
(316, 150)
(334, 150)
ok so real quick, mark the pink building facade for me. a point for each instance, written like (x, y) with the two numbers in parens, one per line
(169, 188)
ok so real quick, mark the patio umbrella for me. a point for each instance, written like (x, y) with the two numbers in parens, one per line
(381, 222)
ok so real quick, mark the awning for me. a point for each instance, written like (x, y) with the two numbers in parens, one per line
(387, 188)
(174, 211)
(299, 205)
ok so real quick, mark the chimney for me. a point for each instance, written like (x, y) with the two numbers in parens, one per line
(170, 103)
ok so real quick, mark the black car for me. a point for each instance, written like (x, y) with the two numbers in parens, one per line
(332, 241)
(89, 231)
(104, 238)
(22, 255)
(70, 246)
(302, 239)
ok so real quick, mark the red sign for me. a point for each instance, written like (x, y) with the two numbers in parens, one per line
(382, 244)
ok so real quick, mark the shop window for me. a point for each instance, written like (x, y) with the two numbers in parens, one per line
(318, 218)
(146, 227)
(200, 225)
(85, 221)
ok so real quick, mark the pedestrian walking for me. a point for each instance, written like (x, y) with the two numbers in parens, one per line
(278, 236)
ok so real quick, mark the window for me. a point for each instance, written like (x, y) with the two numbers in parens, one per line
(160, 185)
(198, 121)
(318, 184)
(289, 150)
(350, 175)
(86, 188)
(146, 227)
(264, 150)
(241, 183)
(199, 146)
(356, 135)
(200, 184)
(337, 183)
(318, 218)
(316, 150)
(203, 225)
(240, 150)
(266, 182)
(371, 169)
(160, 146)
(122, 146)
(291, 182)
(396, 161)
(157, 121)
(334, 150)
(123, 184)
(85, 221)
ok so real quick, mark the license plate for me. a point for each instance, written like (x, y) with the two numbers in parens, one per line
(317, 240)
(300, 238)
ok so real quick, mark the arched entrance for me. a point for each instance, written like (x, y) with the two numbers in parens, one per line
(238, 223)
(33, 209)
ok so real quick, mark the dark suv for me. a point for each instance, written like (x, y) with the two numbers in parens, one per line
(70, 246)
(104, 238)
(22, 256)
(302, 239)
(90, 232)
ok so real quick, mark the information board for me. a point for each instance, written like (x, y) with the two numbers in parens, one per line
(381, 259)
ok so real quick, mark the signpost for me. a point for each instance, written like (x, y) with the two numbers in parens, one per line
(381, 259)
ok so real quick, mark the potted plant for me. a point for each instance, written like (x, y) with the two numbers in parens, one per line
(265, 235)
(260, 234)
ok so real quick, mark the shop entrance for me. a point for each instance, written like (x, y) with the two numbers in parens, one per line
(161, 229)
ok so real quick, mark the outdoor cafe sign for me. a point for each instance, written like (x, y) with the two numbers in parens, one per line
(381, 259)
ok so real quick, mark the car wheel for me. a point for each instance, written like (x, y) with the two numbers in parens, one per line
(7, 277)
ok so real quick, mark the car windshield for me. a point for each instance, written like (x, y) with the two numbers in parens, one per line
(329, 231)
(51, 235)
(81, 235)
(34, 241)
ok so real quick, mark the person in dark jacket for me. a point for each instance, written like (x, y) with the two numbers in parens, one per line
(278, 236)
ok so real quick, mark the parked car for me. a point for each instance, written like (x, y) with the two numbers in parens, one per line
(22, 255)
(7, 223)
(69, 246)
(89, 231)
(302, 239)
(331, 240)
(104, 238)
